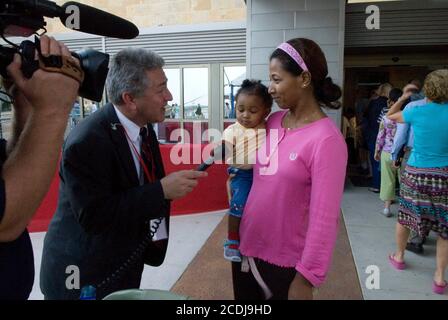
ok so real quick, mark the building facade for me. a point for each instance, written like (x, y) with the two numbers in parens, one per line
(210, 46)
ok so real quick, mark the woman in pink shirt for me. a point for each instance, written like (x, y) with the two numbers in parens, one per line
(290, 221)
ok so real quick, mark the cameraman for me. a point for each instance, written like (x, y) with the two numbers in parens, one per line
(28, 162)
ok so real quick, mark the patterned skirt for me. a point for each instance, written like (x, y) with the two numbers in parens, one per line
(424, 200)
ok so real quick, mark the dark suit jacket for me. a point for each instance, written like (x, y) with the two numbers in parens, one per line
(371, 115)
(103, 212)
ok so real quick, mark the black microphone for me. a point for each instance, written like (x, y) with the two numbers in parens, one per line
(95, 21)
(219, 153)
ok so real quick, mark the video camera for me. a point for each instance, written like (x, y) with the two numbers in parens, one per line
(23, 18)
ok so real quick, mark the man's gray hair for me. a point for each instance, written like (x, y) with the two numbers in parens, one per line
(128, 73)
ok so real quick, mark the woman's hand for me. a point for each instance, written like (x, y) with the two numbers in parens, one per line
(395, 165)
(409, 89)
(396, 107)
(300, 289)
(377, 156)
(405, 96)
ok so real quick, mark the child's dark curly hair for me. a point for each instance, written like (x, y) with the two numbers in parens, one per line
(255, 87)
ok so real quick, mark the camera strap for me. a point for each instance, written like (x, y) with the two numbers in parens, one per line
(62, 64)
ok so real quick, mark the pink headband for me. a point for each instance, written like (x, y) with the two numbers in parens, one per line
(294, 54)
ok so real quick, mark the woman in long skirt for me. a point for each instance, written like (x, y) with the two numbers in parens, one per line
(424, 192)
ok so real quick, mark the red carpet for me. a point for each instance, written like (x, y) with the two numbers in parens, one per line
(209, 195)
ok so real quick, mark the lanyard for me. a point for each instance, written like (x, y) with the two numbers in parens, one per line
(151, 177)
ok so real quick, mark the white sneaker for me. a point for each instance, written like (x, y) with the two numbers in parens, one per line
(387, 213)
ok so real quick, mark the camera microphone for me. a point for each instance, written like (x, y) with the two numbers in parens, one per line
(25, 17)
(95, 21)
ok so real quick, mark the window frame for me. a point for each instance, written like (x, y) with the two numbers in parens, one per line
(182, 119)
(221, 82)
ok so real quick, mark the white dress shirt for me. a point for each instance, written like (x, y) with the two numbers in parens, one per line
(133, 131)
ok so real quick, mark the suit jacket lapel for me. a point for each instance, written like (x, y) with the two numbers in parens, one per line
(155, 149)
(119, 139)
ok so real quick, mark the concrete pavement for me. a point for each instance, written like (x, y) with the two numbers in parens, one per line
(372, 238)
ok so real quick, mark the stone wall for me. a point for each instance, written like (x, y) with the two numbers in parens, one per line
(273, 22)
(152, 13)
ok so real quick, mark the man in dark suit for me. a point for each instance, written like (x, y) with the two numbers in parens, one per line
(113, 187)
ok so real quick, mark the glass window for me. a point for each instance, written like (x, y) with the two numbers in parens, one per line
(166, 131)
(5, 101)
(172, 110)
(196, 93)
(89, 107)
(82, 108)
(196, 102)
(76, 114)
(233, 77)
(189, 109)
(5, 115)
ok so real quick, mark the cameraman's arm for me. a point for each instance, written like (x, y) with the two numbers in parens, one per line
(22, 110)
(30, 167)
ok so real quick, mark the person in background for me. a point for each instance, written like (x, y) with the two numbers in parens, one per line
(94, 107)
(424, 192)
(383, 148)
(361, 103)
(366, 168)
(227, 111)
(372, 118)
(415, 85)
(198, 112)
(349, 131)
(401, 150)
(75, 114)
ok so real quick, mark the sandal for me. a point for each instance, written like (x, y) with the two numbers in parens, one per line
(437, 288)
(231, 252)
(396, 264)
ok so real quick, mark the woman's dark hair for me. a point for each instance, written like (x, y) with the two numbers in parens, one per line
(395, 94)
(255, 87)
(325, 90)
